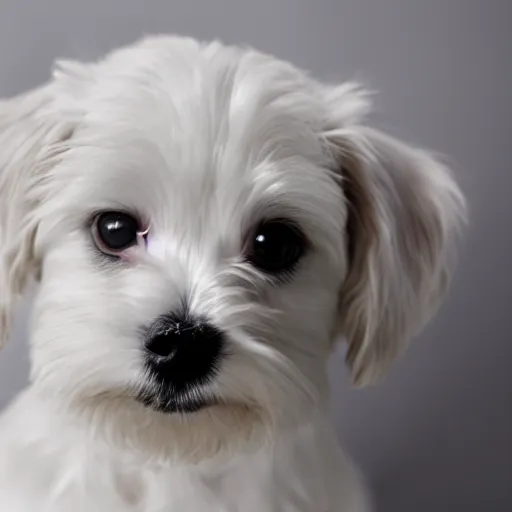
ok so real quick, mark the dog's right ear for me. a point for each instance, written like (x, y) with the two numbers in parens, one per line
(35, 130)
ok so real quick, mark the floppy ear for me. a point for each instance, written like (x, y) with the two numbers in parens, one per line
(404, 212)
(32, 133)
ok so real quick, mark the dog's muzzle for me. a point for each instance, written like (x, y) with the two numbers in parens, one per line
(181, 356)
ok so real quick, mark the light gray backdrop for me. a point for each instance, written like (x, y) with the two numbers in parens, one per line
(437, 434)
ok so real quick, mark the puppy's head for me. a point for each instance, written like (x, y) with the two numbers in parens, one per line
(204, 223)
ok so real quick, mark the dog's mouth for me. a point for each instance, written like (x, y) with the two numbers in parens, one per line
(185, 402)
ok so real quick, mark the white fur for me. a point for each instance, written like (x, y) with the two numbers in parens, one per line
(203, 140)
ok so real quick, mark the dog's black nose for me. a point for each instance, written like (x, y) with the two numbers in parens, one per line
(182, 352)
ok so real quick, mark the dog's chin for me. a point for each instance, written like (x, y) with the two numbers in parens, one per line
(191, 427)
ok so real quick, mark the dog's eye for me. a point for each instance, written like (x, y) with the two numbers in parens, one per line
(276, 246)
(113, 232)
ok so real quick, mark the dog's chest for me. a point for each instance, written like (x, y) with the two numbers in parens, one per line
(288, 478)
(270, 481)
(244, 487)
(238, 489)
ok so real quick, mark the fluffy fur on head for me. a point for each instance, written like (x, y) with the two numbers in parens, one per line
(202, 143)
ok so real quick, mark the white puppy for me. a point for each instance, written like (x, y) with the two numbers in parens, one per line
(204, 222)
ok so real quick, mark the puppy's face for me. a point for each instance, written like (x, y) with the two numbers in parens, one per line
(193, 245)
(204, 222)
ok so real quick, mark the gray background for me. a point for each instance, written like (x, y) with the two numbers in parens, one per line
(437, 434)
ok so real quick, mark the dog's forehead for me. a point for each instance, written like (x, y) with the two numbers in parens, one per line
(205, 105)
(201, 125)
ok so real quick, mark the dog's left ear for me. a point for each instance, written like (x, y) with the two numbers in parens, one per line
(404, 210)
(34, 132)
